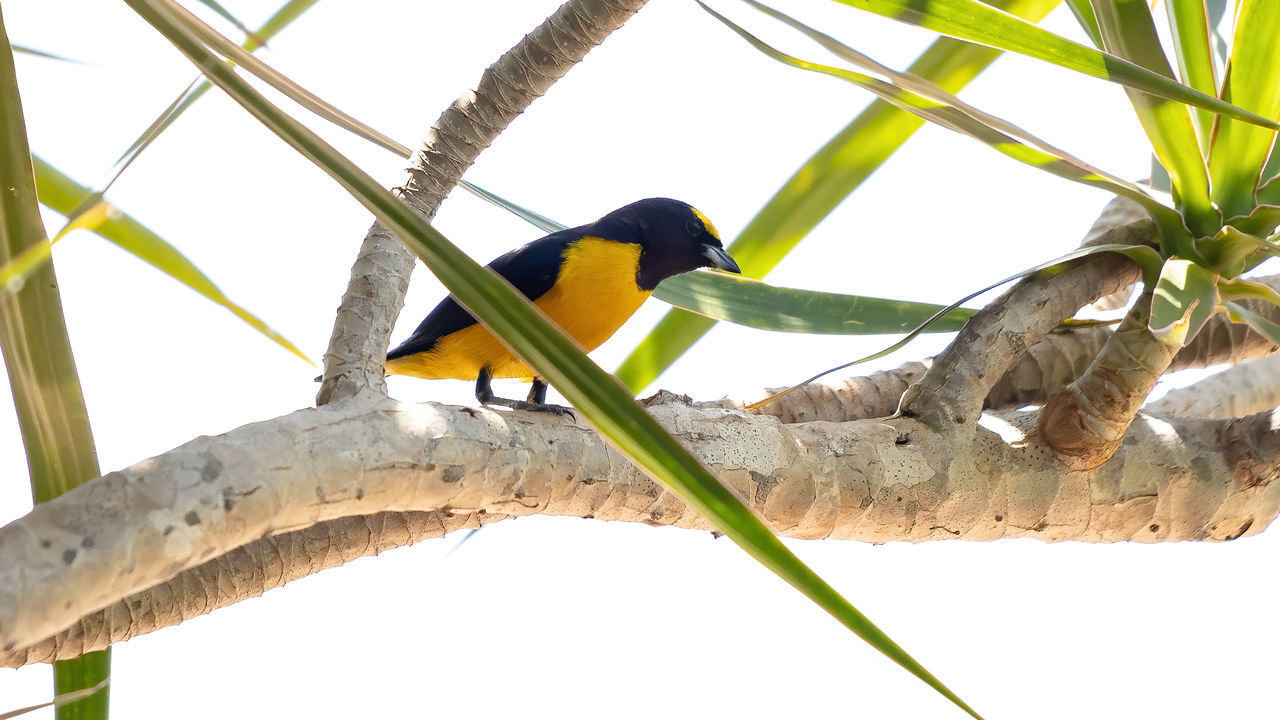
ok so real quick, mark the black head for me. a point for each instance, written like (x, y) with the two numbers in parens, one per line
(674, 237)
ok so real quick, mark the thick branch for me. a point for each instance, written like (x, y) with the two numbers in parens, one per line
(956, 386)
(869, 480)
(1086, 422)
(1244, 389)
(353, 363)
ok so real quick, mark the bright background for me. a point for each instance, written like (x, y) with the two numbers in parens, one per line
(567, 617)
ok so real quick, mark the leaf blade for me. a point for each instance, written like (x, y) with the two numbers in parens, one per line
(780, 309)
(557, 358)
(824, 180)
(1253, 80)
(977, 22)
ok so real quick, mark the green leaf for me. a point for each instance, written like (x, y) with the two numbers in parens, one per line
(1129, 32)
(1227, 252)
(1232, 290)
(1262, 221)
(322, 108)
(937, 106)
(1189, 23)
(778, 309)
(281, 19)
(817, 187)
(52, 416)
(1252, 81)
(977, 22)
(1087, 19)
(595, 393)
(1269, 193)
(1146, 257)
(1264, 326)
(64, 195)
(1186, 296)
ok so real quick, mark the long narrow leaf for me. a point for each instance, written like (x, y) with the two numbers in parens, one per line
(61, 193)
(817, 187)
(1128, 31)
(981, 23)
(281, 19)
(1252, 81)
(595, 393)
(1087, 19)
(1144, 256)
(42, 54)
(983, 122)
(335, 115)
(956, 119)
(1192, 38)
(42, 373)
(780, 309)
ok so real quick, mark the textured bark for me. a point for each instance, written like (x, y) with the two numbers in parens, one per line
(873, 480)
(353, 364)
(956, 385)
(1240, 390)
(245, 572)
(1086, 422)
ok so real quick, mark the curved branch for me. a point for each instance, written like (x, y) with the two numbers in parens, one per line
(353, 364)
(955, 387)
(868, 480)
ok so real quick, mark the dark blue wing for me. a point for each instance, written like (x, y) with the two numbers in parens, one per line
(532, 269)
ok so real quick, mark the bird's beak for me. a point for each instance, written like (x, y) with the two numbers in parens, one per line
(720, 259)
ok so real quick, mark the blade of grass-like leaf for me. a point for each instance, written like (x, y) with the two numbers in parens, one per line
(326, 110)
(779, 309)
(59, 700)
(281, 19)
(977, 22)
(1144, 256)
(954, 118)
(1128, 31)
(1083, 12)
(63, 194)
(595, 393)
(235, 22)
(1189, 23)
(1252, 80)
(47, 55)
(817, 187)
(932, 92)
(42, 374)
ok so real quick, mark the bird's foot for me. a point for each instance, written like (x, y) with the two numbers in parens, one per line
(532, 407)
(544, 407)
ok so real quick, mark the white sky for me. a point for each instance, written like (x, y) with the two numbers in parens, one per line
(578, 618)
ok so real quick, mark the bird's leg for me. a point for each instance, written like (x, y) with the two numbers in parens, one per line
(538, 392)
(484, 393)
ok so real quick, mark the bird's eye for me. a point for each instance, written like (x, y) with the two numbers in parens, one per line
(694, 226)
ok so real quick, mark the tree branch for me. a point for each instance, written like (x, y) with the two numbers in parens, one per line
(868, 480)
(353, 364)
(956, 385)
(1244, 389)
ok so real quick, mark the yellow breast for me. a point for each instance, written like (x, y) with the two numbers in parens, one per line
(593, 295)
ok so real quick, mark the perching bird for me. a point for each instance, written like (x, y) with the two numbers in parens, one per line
(588, 280)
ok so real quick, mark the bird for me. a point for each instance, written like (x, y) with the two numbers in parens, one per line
(588, 280)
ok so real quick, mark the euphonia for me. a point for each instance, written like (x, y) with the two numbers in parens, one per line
(588, 280)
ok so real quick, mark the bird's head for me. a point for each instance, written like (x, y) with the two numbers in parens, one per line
(674, 238)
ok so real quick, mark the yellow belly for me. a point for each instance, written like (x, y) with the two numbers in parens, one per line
(594, 294)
